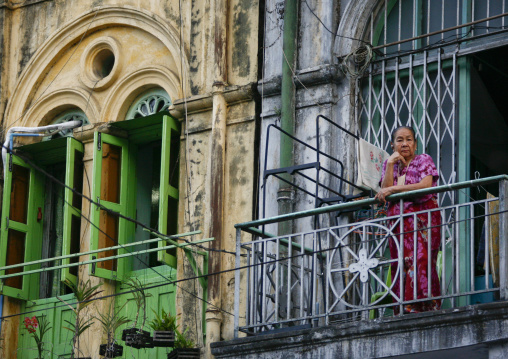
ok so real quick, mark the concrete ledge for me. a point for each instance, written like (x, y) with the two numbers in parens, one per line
(468, 328)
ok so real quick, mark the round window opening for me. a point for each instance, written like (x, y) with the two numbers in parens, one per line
(103, 63)
(100, 63)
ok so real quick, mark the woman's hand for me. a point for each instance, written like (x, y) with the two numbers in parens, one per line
(426, 182)
(381, 195)
(396, 157)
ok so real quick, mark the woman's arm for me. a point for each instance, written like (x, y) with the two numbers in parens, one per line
(426, 182)
(390, 163)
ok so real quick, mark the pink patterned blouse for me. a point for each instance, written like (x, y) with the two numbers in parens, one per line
(420, 167)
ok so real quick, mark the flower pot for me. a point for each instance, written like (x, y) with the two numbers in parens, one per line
(137, 338)
(110, 351)
(162, 338)
(185, 353)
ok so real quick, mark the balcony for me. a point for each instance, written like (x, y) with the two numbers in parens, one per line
(341, 281)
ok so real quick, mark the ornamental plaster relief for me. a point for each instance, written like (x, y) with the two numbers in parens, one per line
(59, 64)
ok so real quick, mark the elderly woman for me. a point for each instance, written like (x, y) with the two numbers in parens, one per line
(406, 171)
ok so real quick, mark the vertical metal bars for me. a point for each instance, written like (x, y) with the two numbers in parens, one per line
(285, 289)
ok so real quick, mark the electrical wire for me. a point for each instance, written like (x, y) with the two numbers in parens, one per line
(330, 31)
(356, 62)
(272, 261)
(188, 163)
(295, 76)
(57, 74)
(110, 211)
(469, 24)
(115, 213)
(57, 181)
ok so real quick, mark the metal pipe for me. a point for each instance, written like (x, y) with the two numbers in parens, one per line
(91, 261)
(123, 246)
(287, 122)
(440, 31)
(370, 201)
(35, 131)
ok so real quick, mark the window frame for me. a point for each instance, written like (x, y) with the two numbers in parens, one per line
(99, 140)
(73, 146)
(31, 228)
(42, 154)
(160, 126)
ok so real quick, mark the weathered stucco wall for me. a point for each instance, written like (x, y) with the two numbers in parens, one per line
(43, 72)
(469, 332)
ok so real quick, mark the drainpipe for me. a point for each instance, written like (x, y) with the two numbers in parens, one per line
(287, 122)
(33, 132)
(216, 174)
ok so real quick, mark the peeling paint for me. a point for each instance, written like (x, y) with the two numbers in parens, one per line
(242, 36)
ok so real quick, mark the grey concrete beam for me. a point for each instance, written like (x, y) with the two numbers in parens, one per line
(470, 327)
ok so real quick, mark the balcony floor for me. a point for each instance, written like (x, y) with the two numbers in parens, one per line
(474, 332)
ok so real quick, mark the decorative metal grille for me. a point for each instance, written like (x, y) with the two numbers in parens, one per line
(417, 95)
(74, 115)
(347, 272)
(416, 83)
(149, 103)
(440, 19)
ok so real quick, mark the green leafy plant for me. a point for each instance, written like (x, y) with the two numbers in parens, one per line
(181, 341)
(111, 321)
(37, 327)
(84, 293)
(139, 295)
(163, 322)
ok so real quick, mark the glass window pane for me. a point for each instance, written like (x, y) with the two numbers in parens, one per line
(78, 179)
(111, 171)
(19, 193)
(108, 237)
(172, 221)
(173, 158)
(75, 240)
(155, 172)
(16, 255)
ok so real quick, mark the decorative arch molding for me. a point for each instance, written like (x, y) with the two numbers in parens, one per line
(352, 25)
(45, 109)
(127, 89)
(89, 22)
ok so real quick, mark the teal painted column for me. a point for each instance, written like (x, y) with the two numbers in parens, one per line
(464, 163)
(289, 48)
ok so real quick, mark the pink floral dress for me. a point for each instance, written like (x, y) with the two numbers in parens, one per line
(420, 167)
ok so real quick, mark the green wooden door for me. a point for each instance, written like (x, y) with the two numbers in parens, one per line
(21, 231)
(162, 296)
(58, 340)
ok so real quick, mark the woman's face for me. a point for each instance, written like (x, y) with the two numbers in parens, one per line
(404, 143)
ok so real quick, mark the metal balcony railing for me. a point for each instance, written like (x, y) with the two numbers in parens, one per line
(346, 272)
(127, 248)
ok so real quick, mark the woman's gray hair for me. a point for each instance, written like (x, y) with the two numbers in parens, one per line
(402, 127)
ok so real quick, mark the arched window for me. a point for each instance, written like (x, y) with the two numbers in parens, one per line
(439, 66)
(71, 115)
(145, 164)
(425, 74)
(149, 103)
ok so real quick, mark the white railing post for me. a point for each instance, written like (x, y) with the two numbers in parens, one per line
(503, 238)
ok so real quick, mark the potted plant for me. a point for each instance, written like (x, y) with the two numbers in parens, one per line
(84, 294)
(164, 327)
(184, 348)
(137, 337)
(37, 327)
(111, 321)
